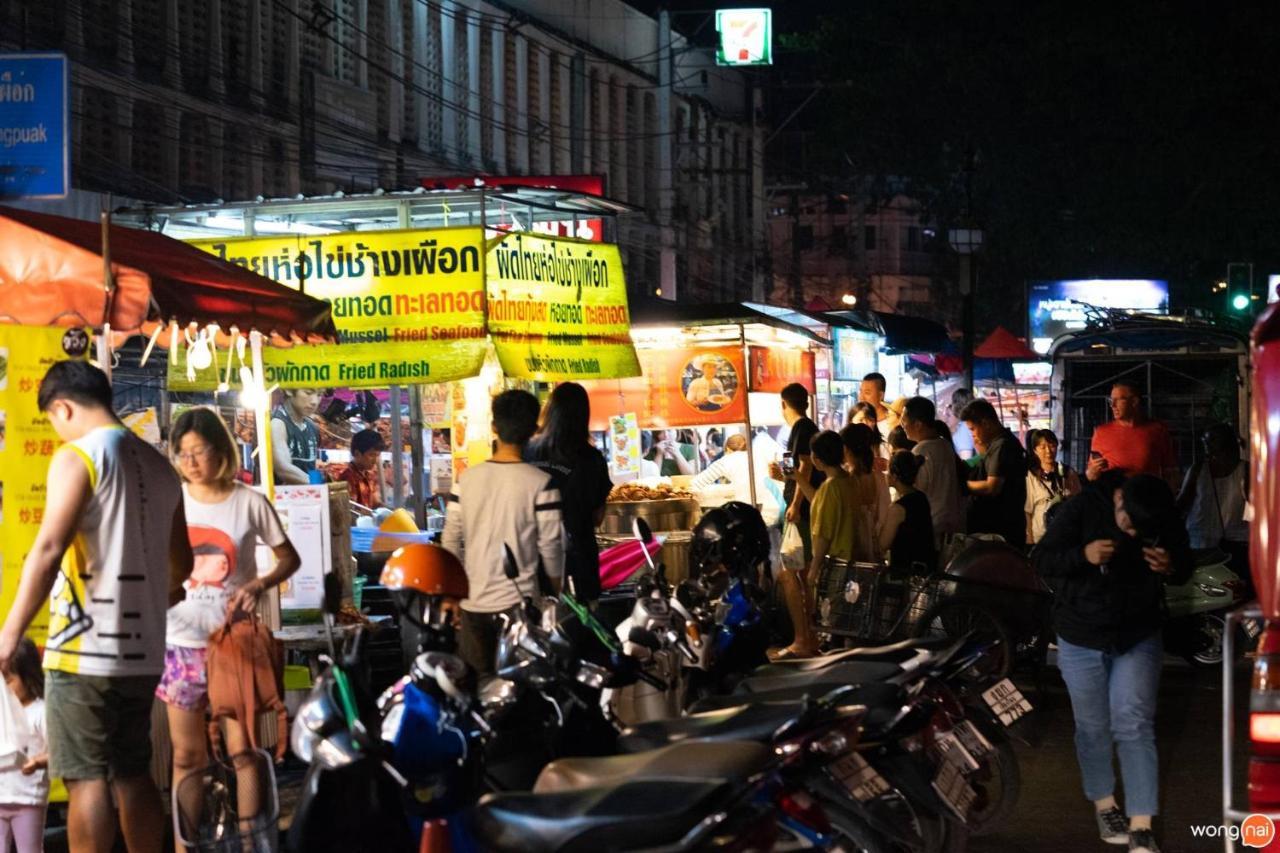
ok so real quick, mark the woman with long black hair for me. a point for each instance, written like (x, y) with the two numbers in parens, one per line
(563, 448)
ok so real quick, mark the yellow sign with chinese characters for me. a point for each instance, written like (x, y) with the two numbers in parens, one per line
(558, 309)
(27, 443)
(408, 306)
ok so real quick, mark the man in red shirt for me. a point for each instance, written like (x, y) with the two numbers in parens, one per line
(362, 475)
(1131, 441)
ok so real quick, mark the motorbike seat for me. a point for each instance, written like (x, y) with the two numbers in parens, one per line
(846, 672)
(707, 761)
(755, 722)
(1202, 557)
(882, 701)
(631, 815)
(897, 653)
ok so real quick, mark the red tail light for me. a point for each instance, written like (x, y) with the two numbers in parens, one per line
(804, 808)
(435, 837)
(1264, 723)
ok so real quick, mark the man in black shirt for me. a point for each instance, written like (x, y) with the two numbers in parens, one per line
(998, 484)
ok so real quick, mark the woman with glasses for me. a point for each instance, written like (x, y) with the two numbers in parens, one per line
(225, 522)
(1049, 482)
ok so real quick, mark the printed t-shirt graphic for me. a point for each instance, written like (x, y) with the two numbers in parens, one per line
(107, 608)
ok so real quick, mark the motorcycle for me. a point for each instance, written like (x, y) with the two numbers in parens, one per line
(1198, 609)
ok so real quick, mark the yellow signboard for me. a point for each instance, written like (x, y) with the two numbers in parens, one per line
(558, 309)
(27, 443)
(408, 306)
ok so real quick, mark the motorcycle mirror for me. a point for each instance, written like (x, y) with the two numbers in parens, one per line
(509, 566)
(644, 637)
(642, 531)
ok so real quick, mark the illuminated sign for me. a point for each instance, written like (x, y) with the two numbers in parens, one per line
(746, 37)
(1058, 307)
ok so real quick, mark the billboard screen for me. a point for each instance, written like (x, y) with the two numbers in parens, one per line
(1054, 307)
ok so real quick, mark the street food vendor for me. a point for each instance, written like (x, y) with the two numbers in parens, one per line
(295, 440)
(363, 475)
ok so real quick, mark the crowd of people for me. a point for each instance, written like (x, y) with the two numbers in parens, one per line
(142, 558)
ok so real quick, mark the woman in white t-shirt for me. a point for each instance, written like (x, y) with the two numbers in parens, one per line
(225, 522)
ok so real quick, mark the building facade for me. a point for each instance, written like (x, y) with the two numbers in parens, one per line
(883, 254)
(199, 100)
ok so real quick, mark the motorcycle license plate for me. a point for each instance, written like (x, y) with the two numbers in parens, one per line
(952, 787)
(960, 745)
(1007, 702)
(859, 778)
(974, 741)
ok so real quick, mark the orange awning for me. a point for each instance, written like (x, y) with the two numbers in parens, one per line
(51, 275)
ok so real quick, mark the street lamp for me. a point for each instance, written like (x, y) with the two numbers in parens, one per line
(966, 242)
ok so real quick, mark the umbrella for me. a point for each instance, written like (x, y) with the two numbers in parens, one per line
(51, 274)
(995, 356)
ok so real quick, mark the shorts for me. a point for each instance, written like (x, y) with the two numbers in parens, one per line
(185, 683)
(99, 727)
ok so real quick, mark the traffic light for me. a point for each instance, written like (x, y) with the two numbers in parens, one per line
(1240, 288)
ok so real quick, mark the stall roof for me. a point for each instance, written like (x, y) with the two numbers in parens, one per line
(902, 334)
(661, 312)
(51, 275)
(419, 208)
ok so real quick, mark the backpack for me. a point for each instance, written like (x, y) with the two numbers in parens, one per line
(246, 678)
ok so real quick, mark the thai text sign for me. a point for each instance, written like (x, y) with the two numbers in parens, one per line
(408, 306)
(34, 161)
(27, 443)
(680, 387)
(558, 309)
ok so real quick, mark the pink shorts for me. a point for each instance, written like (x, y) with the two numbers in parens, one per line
(185, 683)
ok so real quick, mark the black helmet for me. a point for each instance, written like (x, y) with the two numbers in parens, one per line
(733, 535)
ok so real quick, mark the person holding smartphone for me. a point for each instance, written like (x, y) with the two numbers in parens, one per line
(1131, 441)
(1108, 555)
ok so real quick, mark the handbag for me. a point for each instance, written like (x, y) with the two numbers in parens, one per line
(246, 678)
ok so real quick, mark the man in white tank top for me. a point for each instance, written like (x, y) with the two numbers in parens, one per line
(111, 555)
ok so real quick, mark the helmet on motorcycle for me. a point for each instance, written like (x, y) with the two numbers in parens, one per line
(426, 583)
(733, 536)
(425, 569)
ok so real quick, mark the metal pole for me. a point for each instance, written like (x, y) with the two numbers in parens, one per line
(751, 439)
(417, 452)
(109, 286)
(397, 448)
(261, 416)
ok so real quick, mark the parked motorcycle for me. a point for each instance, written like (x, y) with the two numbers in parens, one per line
(1198, 610)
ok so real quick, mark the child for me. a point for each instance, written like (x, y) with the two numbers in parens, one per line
(24, 789)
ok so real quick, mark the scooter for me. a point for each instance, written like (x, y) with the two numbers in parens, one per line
(1197, 611)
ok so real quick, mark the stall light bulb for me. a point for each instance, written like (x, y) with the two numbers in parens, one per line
(151, 344)
(173, 343)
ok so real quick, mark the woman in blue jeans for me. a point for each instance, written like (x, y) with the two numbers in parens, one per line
(1108, 554)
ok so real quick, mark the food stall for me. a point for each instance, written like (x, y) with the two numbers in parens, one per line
(875, 341)
(704, 367)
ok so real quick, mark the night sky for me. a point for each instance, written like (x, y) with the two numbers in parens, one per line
(1114, 140)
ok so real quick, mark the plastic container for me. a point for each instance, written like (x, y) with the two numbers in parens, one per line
(357, 589)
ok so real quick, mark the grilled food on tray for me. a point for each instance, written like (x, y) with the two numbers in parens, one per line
(636, 492)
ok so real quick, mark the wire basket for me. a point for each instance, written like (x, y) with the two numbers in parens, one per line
(848, 598)
(231, 806)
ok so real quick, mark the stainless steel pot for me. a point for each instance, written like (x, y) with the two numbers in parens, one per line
(669, 514)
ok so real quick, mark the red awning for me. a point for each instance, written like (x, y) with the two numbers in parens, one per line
(1001, 344)
(51, 275)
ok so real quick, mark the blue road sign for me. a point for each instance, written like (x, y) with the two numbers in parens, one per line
(34, 139)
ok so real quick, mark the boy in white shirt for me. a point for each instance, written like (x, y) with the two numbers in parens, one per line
(504, 501)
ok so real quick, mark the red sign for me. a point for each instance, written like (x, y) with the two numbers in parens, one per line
(679, 388)
(586, 184)
(582, 229)
(774, 368)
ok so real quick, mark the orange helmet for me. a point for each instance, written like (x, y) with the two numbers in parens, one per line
(426, 569)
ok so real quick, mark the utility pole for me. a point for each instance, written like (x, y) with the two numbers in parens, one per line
(666, 173)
